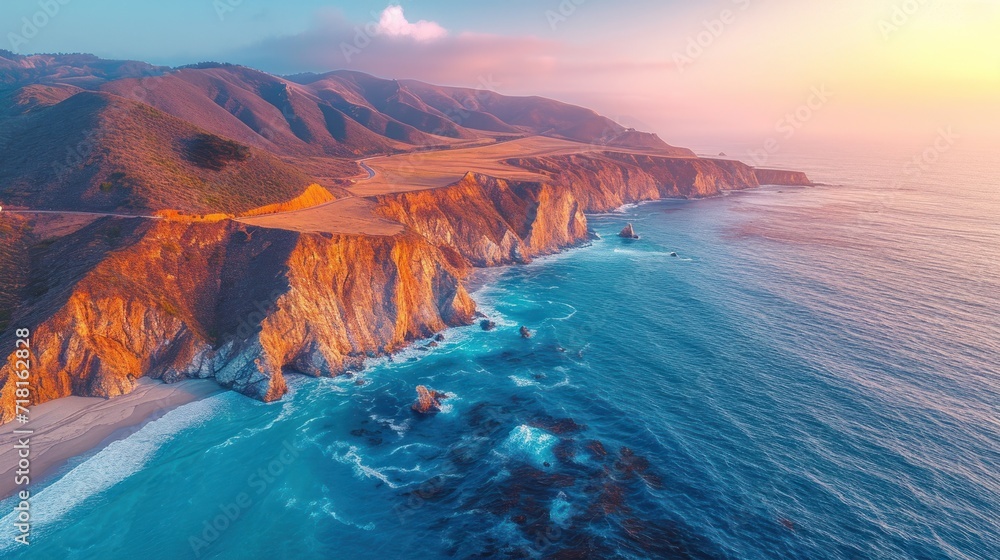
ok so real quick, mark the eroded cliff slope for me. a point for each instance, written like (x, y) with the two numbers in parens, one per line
(490, 221)
(237, 303)
(604, 180)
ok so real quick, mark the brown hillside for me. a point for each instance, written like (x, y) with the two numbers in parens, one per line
(96, 151)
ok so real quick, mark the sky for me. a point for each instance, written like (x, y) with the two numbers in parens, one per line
(761, 71)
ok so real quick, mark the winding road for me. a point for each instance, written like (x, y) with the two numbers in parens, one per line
(366, 167)
(78, 213)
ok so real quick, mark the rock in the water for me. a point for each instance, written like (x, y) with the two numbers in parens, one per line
(428, 400)
(628, 233)
(439, 337)
(487, 325)
(525, 332)
(432, 344)
(673, 254)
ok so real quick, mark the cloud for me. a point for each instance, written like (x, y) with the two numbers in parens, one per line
(394, 23)
(387, 46)
(393, 47)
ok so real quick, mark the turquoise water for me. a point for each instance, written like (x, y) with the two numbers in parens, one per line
(814, 375)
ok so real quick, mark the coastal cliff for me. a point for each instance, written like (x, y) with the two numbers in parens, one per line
(781, 177)
(236, 303)
(242, 304)
(603, 180)
(491, 221)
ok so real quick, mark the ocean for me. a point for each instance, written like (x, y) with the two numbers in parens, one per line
(813, 375)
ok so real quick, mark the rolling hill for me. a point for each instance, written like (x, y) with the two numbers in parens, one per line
(78, 132)
(96, 151)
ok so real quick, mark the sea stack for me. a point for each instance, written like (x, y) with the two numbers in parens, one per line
(525, 332)
(628, 233)
(428, 400)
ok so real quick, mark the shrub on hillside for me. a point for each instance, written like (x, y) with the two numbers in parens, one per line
(212, 152)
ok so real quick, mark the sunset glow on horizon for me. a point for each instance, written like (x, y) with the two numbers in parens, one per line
(734, 67)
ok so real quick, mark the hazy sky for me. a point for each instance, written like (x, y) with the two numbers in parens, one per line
(751, 69)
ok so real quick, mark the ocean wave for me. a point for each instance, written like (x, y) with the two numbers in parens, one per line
(522, 382)
(116, 462)
(352, 457)
(326, 506)
(530, 444)
(409, 445)
(286, 407)
(455, 339)
(525, 382)
(572, 311)
(659, 255)
(400, 429)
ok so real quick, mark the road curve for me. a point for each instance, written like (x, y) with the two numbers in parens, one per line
(366, 167)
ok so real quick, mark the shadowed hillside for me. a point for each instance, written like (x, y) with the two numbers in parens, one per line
(95, 151)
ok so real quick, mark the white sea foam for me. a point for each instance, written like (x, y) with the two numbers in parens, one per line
(116, 462)
(400, 428)
(353, 458)
(418, 350)
(288, 405)
(325, 505)
(522, 382)
(409, 445)
(328, 509)
(572, 311)
(530, 444)
(644, 254)
(486, 302)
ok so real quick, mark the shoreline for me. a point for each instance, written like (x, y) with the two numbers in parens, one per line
(70, 427)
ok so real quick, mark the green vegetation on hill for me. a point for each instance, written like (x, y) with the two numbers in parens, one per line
(212, 152)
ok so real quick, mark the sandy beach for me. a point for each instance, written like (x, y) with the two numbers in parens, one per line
(71, 426)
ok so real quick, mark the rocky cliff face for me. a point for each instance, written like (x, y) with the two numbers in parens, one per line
(490, 221)
(603, 180)
(781, 177)
(236, 303)
(121, 298)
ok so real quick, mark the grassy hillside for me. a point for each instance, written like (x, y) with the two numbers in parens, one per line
(96, 151)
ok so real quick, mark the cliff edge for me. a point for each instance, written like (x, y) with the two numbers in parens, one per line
(123, 298)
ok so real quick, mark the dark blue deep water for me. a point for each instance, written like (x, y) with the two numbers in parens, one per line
(814, 375)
